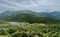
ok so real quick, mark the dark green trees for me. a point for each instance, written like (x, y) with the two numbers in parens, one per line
(32, 18)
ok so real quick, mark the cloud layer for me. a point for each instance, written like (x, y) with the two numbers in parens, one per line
(34, 5)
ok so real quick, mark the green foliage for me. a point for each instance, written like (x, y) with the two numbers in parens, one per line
(16, 34)
(40, 29)
(32, 18)
(3, 32)
(12, 30)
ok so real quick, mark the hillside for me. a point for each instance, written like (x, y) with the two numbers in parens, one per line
(53, 14)
(13, 13)
(31, 17)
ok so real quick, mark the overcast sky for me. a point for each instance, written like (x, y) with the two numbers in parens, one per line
(34, 5)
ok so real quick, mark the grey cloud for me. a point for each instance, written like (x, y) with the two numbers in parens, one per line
(34, 5)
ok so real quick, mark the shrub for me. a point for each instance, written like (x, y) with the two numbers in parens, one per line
(11, 31)
(3, 32)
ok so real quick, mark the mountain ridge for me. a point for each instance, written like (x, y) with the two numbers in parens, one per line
(54, 14)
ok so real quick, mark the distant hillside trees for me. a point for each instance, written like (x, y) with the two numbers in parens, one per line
(32, 18)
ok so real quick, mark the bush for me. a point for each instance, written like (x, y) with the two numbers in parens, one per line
(17, 34)
(11, 31)
(3, 32)
(20, 34)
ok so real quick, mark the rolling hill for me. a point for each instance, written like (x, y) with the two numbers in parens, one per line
(54, 14)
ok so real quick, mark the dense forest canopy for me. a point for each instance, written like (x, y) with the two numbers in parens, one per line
(32, 18)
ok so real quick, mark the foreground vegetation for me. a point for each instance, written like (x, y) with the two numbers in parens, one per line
(30, 30)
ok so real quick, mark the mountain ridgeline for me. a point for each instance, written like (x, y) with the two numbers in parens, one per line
(31, 17)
